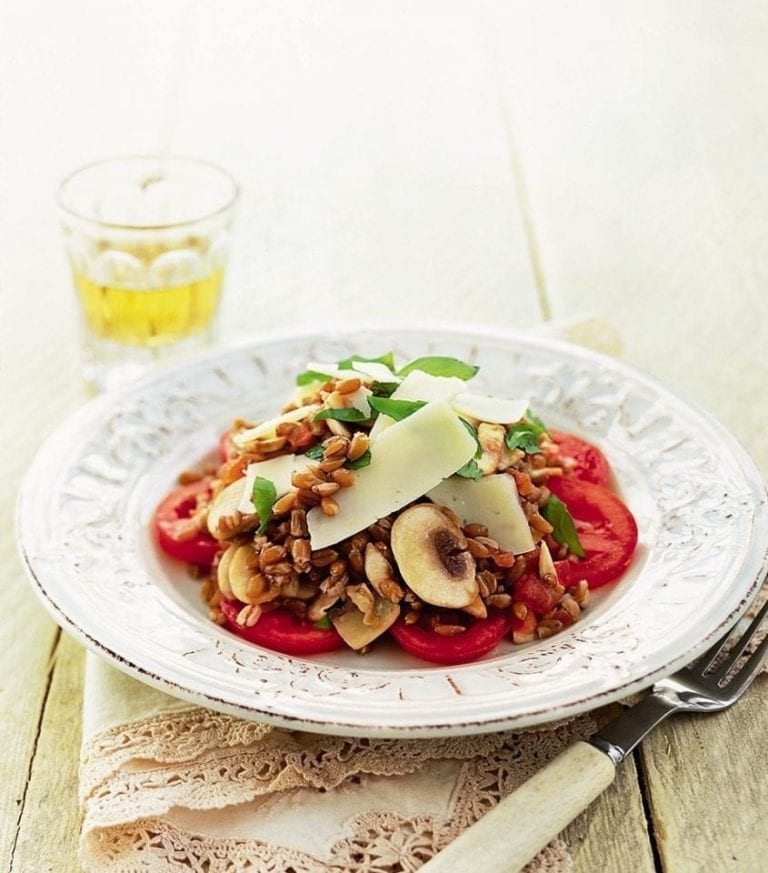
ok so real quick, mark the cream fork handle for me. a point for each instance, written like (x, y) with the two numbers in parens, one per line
(507, 837)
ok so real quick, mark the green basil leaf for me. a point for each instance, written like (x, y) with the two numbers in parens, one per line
(349, 414)
(439, 365)
(397, 409)
(310, 376)
(535, 423)
(470, 470)
(315, 453)
(556, 513)
(522, 436)
(473, 433)
(323, 623)
(360, 462)
(263, 495)
(384, 389)
(388, 359)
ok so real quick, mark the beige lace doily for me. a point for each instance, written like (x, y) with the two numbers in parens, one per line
(189, 789)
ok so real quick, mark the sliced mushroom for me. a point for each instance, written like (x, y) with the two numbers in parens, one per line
(379, 573)
(358, 630)
(298, 588)
(224, 518)
(247, 584)
(432, 557)
(364, 599)
(222, 571)
(319, 607)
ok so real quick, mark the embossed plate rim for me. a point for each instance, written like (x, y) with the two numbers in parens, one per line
(342, 699)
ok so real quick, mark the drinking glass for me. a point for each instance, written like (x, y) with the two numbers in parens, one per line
(147, 240)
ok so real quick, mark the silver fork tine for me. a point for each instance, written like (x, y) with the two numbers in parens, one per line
(741, 645)
(748, 672)
(703, 662)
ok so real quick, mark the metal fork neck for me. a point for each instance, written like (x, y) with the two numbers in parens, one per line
(618, 738)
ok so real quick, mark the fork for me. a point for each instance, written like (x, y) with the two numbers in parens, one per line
(524, 822)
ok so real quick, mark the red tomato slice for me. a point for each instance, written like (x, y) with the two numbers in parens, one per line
(171, 528)
(477, 640)
(607, 531)
(535, 594)
(281, 631)
(590, 463)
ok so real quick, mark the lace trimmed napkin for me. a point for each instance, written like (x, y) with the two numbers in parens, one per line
(169, 787)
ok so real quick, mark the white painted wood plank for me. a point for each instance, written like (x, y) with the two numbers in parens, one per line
(642, 130)
(708, 808)
(50, 821)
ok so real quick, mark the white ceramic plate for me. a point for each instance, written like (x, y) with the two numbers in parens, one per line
(700, 505)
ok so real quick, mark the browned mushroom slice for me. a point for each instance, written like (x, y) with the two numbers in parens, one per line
(358, 629)
(431, 554)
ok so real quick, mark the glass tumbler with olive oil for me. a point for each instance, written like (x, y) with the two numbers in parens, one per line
(147, 241)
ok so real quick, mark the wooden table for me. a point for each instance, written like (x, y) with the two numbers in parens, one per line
(497, 163)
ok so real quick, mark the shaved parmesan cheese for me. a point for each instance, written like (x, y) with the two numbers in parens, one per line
(491, 501)
(377, 371)
(278, 470)
(359, 400)
(329, 369)
(418, 385)
(495, 410)
(266, 430)
(372, 370)
(408, 459)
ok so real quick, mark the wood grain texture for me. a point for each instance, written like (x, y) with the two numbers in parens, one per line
(707, 787)
(23, 690)
(33, 398)
(50, 822)
(642, 135)
(612, 835)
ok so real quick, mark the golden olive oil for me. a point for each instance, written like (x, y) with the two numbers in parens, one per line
(149, 316)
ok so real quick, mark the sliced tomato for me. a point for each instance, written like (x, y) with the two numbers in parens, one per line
(535, 594)
(172, 528)
(590, 464)
(607, 531)
(478, 639)
(282, 631)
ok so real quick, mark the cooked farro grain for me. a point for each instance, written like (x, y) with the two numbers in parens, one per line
(477, 549)
(285, 504)
(348, 386)
(329, 506)
(326, 489)
(358, 446)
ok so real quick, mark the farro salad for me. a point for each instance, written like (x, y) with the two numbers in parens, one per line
(390, 501)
